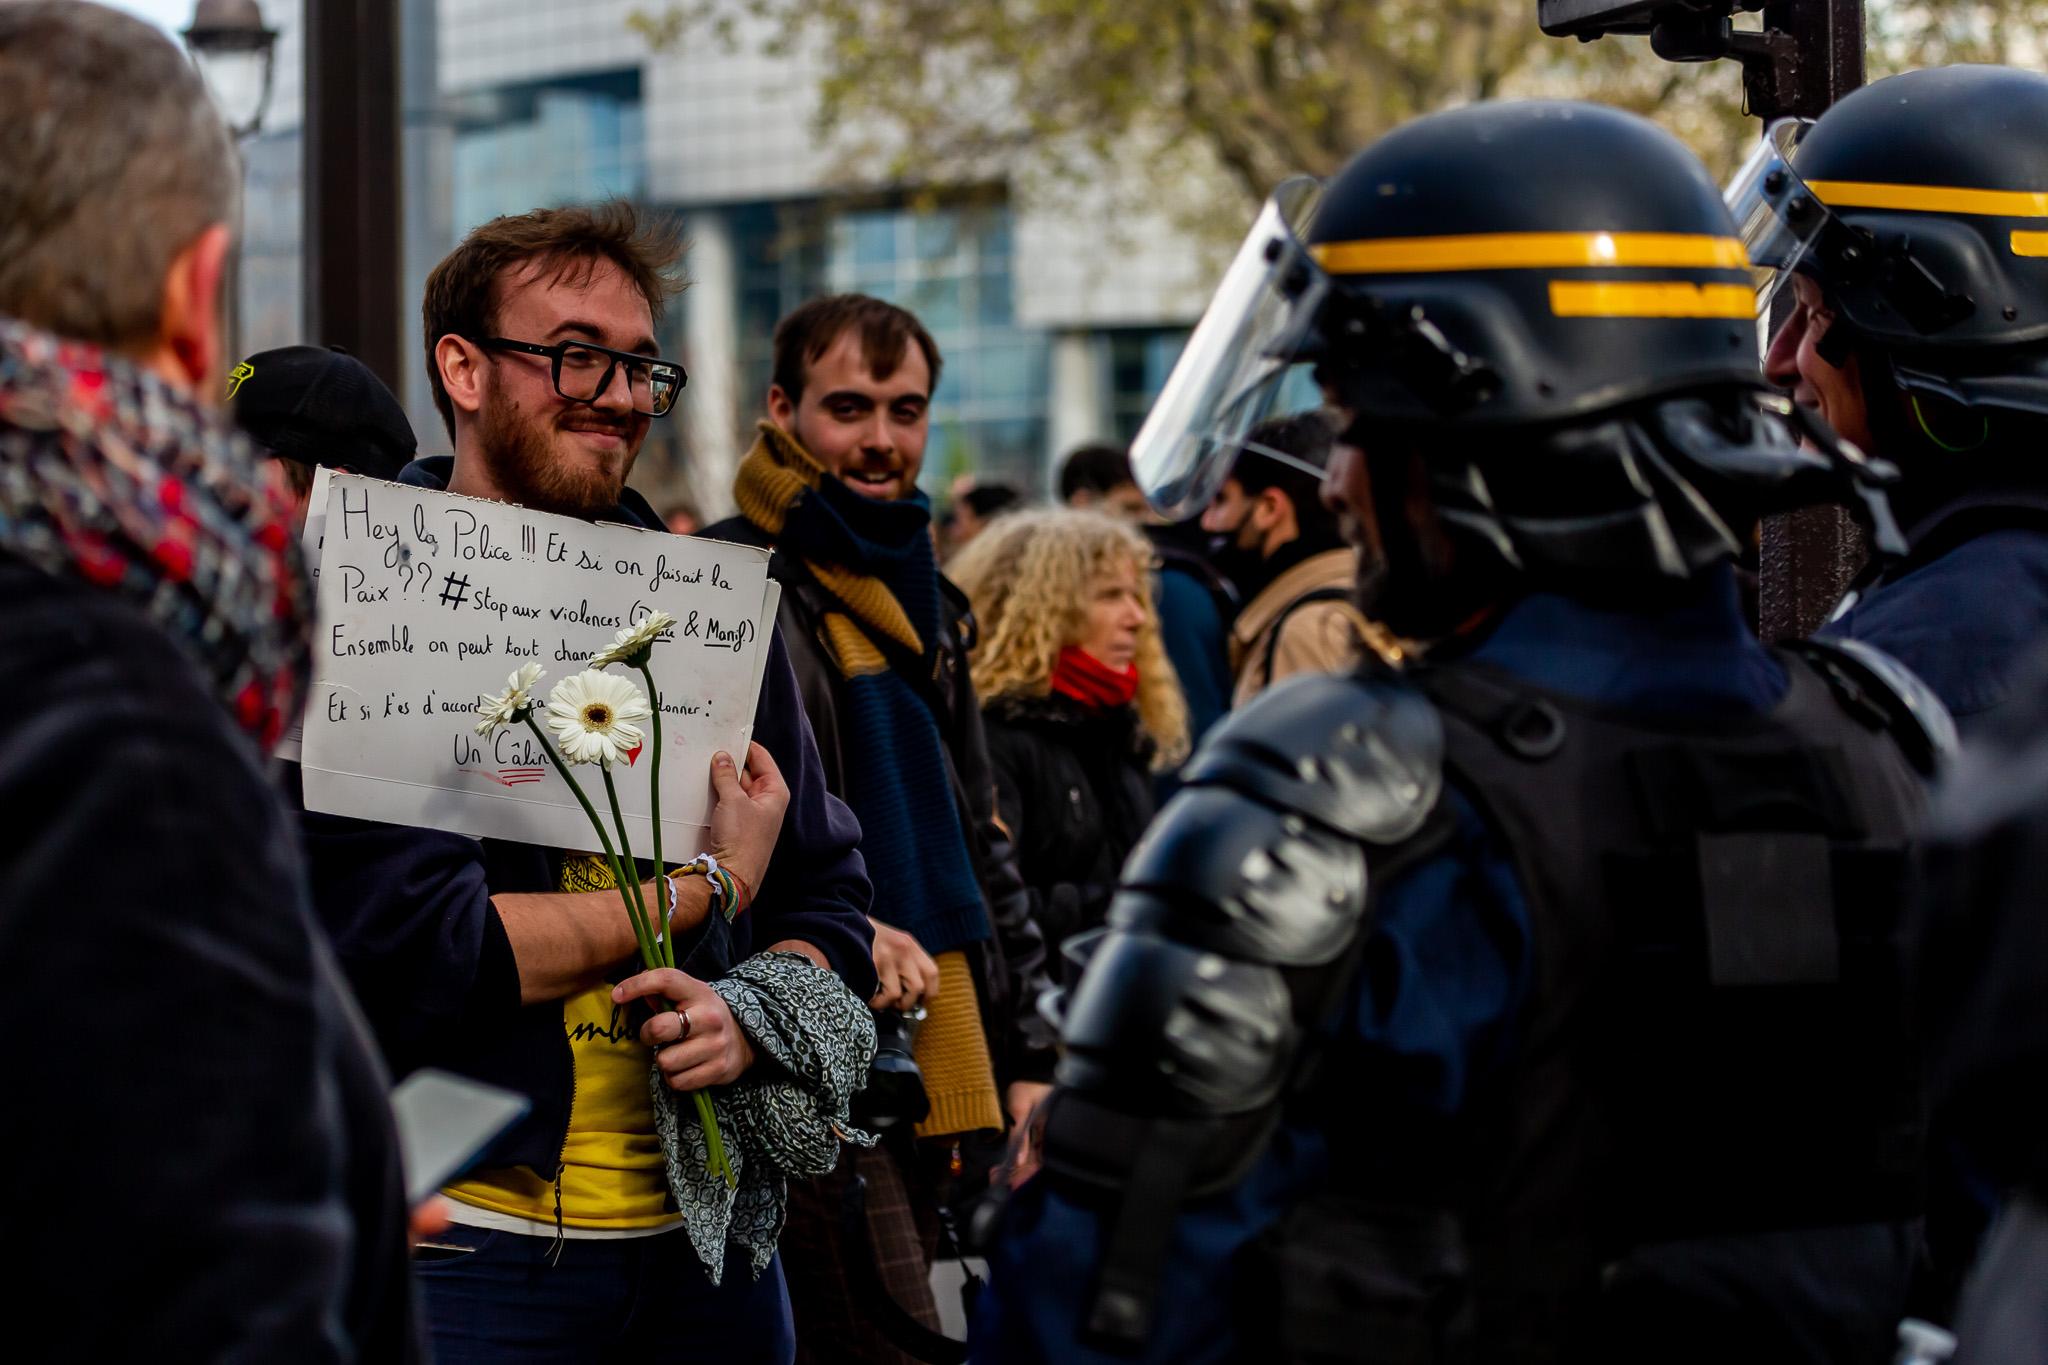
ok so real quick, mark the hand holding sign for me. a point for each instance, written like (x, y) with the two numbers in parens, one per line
(748, 817)
(594, 716)
(424, 595)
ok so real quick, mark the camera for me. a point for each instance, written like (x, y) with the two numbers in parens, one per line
(895, 1092)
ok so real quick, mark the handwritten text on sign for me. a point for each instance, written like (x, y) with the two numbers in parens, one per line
(428, 601)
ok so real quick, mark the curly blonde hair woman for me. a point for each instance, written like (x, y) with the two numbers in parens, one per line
(1079, 701)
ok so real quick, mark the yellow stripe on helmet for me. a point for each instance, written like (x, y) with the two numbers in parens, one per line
(2026, 243)
(1530, 251)
(1857, 194)
(1650, 299)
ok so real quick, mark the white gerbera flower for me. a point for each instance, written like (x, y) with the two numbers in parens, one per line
(512, 704)
(592, 715)
(631, 645)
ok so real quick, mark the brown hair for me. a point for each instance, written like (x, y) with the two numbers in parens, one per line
(886, 332)
(462, 294)
(113, 162)
(298, 475)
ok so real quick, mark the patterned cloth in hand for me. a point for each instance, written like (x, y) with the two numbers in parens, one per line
(813, 1040)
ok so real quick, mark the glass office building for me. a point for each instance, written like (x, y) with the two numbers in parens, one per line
(1048, 338)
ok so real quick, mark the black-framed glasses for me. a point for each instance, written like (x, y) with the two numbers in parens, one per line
(583, 371)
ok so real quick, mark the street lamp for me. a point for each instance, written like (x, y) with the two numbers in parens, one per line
(233, 52)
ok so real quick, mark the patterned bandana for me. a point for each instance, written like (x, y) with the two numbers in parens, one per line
(782, 1122)
(111, 477)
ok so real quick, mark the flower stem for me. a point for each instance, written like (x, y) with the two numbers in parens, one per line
(654, 940)
(714, 1143)
(640, 929)
(654, 800)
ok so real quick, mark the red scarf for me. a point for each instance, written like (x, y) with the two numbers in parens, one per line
(1093, 683)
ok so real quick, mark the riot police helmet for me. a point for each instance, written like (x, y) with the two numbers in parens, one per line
(1918, 208)
(1546, 303)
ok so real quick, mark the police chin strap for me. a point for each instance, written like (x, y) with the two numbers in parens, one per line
(1867, 478)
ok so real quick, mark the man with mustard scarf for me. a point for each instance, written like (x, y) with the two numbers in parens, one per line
(878, 639)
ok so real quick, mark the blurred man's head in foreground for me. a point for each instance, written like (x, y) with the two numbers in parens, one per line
(118, 181)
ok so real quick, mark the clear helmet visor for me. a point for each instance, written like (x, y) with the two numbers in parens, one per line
(1778, 216)
(1237, 364)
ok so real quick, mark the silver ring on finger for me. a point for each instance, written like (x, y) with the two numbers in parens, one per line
(683, 1015)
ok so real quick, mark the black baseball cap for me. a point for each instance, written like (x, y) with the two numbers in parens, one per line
(320, 405)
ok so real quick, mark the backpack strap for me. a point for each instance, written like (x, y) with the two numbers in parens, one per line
(1308, 598)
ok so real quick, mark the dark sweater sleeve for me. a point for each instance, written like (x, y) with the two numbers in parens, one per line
(817, 887)
(170, 1078)
(409, 913)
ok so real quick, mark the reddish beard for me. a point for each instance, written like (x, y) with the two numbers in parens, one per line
(524, 464)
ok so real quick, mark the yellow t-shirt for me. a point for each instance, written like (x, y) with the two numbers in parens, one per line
(613, 1174)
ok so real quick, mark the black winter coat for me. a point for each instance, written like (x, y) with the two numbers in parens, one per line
(200, 1159)
(1074, 787)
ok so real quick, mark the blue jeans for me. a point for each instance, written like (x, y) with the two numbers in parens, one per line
(643, 1300)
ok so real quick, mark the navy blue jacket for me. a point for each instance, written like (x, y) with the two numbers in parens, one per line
(1448, 964)
(1966, 609)
(1197, 641)
(411, 916)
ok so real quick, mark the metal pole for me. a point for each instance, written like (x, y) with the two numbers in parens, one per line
(354, 262)
(1807, 558)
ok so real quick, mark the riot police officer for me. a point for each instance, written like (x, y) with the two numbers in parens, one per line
(1537, 1001)
(1980, 1000)
(1911, 225)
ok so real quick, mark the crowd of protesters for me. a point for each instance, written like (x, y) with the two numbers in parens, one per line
(966, 724)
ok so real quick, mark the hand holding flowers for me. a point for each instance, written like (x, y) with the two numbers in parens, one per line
(697, 1043)
(596, 719)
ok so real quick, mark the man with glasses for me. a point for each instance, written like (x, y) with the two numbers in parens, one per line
(490, 958)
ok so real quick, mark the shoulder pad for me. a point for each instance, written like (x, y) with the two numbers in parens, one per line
(1863, 676)
(1163, 1027)
(1228, 873)
(1362, 756)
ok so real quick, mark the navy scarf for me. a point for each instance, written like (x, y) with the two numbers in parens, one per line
(875, 560)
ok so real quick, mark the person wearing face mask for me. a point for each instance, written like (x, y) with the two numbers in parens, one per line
(1907, 226)
(1081, 705)
(1537, 1000)
(1280, 548)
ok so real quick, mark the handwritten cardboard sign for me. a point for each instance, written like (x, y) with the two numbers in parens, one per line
(427, 601)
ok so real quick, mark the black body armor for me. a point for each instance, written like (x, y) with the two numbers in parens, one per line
(1713, 1040)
